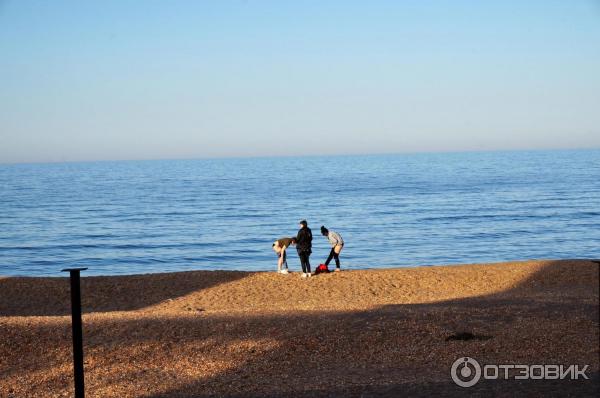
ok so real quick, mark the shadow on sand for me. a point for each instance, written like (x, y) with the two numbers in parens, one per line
(532, 323)
(23, 296)
(390, 351)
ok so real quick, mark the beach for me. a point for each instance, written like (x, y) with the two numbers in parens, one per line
(383, 332)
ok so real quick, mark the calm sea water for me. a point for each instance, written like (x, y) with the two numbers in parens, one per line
(393, 211)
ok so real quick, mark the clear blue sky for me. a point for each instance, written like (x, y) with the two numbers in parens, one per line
(171, 79)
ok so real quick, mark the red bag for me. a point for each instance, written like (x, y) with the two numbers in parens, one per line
(321, 269)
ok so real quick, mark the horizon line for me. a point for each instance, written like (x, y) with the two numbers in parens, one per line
(236, 157)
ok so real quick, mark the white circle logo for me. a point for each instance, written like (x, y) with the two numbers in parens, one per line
(465, 372)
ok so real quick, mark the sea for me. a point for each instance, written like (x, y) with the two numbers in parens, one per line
(406, 210)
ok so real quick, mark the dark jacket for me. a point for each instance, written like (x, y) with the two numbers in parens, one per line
(304, 240)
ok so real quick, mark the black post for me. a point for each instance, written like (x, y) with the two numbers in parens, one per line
(77, 330)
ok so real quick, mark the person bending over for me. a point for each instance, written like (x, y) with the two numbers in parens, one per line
(304, 247)
(279, 247)
(337, 244)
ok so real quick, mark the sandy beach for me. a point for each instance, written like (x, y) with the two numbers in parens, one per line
(355, 333)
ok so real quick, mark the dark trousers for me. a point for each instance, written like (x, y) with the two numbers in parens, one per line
(333, 254)
(304, 261)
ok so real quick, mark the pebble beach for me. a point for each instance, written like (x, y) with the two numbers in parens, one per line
(384, 332)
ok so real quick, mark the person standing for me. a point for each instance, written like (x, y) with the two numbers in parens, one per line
(304, 247)
(279, 247)
(337, 244)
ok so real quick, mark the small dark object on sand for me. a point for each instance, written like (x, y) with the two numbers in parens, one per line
(467, 336)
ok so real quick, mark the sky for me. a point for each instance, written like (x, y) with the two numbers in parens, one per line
(112, 80)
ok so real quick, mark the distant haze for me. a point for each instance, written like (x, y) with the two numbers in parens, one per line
(149, 79)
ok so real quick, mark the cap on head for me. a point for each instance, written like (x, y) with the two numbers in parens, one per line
(304, 223)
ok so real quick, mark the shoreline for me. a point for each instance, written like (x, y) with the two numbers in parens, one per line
(382, 332)
(297, 269)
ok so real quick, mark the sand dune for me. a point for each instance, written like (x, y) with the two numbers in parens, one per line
(367, 332)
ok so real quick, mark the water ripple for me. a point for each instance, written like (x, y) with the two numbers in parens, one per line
(405, 210)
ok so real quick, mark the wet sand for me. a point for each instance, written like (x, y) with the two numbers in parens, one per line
(354, 333)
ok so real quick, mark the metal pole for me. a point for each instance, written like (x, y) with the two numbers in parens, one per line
(77, 330)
